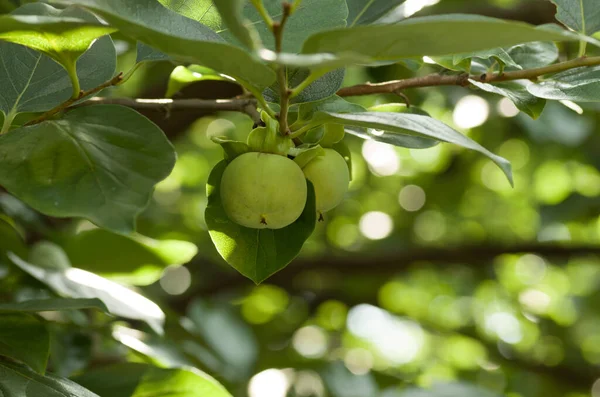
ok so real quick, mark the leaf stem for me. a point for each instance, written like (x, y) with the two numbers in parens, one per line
(282, 78)
(260, 7)
(582, 48)
(72, 71)
(433, 80)
(82, 94)
(8, 119)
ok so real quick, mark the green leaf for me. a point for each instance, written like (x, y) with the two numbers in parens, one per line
(180, 37)
(71, 351)
(303, 156)
(142, 380)
(61, 34)
(10, 240)
(232, 148)
(183, 76)
(324, 87)
(361, 12)
(231, 12)
(395, 125)
(534, 55)
(580, 15)
(51, 305)
(581, 84)
(99, 162)
(24, 338)
(19, 381)
(268, 139)
(334, 104)
(438, 35)
(32, 82)
(229, 337)
(141, 260)
(517, 92)
(77, 283)
(311, 17)
(255, 253)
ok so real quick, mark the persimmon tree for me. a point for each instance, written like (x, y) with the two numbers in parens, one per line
(67, 150)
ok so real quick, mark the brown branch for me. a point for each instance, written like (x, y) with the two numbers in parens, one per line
(433, 80)
(82, 94)
(247, 106)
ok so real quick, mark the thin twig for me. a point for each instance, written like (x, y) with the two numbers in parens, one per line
(82, 94)
(247, 105)
(433, 80)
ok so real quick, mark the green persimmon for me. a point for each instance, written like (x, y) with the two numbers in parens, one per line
(330, 176)
(263, 191)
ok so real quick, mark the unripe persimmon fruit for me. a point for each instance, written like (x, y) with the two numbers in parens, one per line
(330, 177)
(263, 191)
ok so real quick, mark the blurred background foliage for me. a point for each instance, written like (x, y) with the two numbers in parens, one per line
(433, 270)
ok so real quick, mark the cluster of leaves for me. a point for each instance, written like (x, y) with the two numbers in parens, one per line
(102, 162)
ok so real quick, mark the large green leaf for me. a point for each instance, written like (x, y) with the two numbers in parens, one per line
(517, 92)
(77, 283)
(255, 253)
(183, 76)
(432, 36)
(323, 87)
(19, 381)
(361, 12)
(142, 380)
(25, 338)
(98, 162)
(182, 38)
(64, 46)
(389, 124)
(32, 82)
(580, 15)
(141, 260)
(57, 304)
(581, 84)
(312, 16)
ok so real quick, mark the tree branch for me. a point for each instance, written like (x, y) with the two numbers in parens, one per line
(82, 94)
(247, 105)
(433, 80)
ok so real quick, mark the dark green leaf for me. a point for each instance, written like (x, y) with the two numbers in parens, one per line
(32, 82)
(517, 92)
(99, 162)
(231, 12)
(77, 283)
(438, 35)
(141, 260)
(145, 53)
(362, 12)
(580, 15)
(323, 87)
(141, 380)
(58, 304)
(18, 381)
(312, 16)
(24, 338)
(534, 55)
(10, 241)
(61, 34)
(334, 104)
(581, 84)
(182, 38)
(255, 253)
(227, 335)
(341, 382)
(394, 128)
(70, 351)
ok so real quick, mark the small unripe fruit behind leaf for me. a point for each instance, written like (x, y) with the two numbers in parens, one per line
(330, 176)
(263, 191)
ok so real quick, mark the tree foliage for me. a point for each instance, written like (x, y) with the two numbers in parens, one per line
(462, 261)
